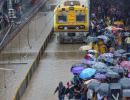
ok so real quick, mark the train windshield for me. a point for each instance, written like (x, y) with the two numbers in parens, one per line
(80, 18)
(62, 18)
(72, 3)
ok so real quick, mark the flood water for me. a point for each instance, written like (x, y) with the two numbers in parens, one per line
(54, 67)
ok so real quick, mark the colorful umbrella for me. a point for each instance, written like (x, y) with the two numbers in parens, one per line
(77, 69)
(129, 75)
(99, 76)
(87, 73)
(125, 64)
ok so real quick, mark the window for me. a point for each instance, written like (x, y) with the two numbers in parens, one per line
(72, 3)
(80, 18)
(62, 18)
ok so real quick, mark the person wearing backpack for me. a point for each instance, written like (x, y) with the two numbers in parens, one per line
(61, 91)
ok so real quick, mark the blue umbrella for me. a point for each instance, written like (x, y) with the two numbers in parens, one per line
(87, 73)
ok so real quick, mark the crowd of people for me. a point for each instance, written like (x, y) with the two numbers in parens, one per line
(107, 57)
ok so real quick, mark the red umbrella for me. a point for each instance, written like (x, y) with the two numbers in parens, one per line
(125, 64)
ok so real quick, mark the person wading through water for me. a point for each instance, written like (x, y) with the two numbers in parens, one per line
(61, 91)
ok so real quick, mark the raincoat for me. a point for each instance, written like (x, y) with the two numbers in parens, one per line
(102, 48)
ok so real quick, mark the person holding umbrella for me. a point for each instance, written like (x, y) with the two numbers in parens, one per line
(61, 91)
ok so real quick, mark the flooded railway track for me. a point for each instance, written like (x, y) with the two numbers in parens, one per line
(54, 66)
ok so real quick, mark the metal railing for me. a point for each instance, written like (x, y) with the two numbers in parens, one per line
(9, 35)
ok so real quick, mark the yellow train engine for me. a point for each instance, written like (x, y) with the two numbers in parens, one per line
(71, 21)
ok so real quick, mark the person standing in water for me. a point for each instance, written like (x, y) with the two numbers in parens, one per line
(61, 91)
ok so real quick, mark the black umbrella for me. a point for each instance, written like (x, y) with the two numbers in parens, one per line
(103, 89)
(94, 84)
(112, 74)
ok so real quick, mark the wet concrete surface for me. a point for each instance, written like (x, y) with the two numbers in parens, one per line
(54, 67)
(19, 54)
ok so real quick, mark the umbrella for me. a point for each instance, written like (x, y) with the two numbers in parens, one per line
(77, 69)
(117, 69)
(110, 60)
(111, 74)
(103, 37)
(99, 76)
(105, 55)
(126, 33)
(103, 89)
(102, 70)
(90, 39)
(84, 61)
(129, 75)
(126, 92)
(86, 47)
(93, 84)
(125, 64)
(117, 54)
(125, 83)
(87, 73)
(99, 65)
(120, 51)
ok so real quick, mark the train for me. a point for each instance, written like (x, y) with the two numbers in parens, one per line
(71, 21)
